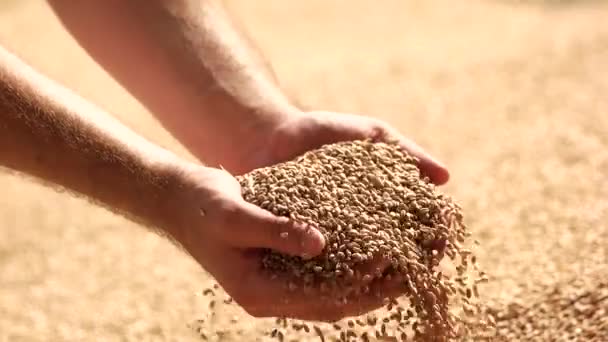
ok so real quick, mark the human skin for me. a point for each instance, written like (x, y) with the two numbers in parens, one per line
(187, 64)
(186, 61)
(49, 133)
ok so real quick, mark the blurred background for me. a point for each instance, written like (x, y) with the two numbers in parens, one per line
(512, 95)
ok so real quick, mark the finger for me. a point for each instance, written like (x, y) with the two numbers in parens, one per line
(272, 294)
(280, 296)
(254, 227)
(364, 274)
(380, 294)
(367, 293)
(429, 166)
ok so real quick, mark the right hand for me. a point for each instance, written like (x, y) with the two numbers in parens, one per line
(225, 234)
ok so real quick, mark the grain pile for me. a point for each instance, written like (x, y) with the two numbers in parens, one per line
(370, 201)
(575, 310)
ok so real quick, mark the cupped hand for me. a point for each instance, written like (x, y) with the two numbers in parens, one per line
(229, 233)
(226, 235)
(310, 130)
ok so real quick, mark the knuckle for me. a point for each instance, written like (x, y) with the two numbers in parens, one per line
(227, 214)
(378, 131)
(281, 229)
(228, 208)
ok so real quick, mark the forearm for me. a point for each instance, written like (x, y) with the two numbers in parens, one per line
(185, 61)
(51, 134)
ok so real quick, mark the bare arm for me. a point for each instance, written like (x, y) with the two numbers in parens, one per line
(186, 62)
(50, 133)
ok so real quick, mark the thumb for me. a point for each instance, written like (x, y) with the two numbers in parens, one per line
(254, 227)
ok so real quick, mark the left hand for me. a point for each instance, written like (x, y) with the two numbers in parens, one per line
(307, 131)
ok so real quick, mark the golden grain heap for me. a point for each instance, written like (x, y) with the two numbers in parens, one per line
(370, 201)
(574, 310)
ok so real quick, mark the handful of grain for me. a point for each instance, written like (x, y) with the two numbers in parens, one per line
(370, 201)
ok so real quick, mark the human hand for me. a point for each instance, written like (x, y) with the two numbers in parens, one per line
(307, 131)
(225, 234)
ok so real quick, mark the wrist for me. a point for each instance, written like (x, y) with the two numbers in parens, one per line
(179, 207)
(162, 199)
(245, 139)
